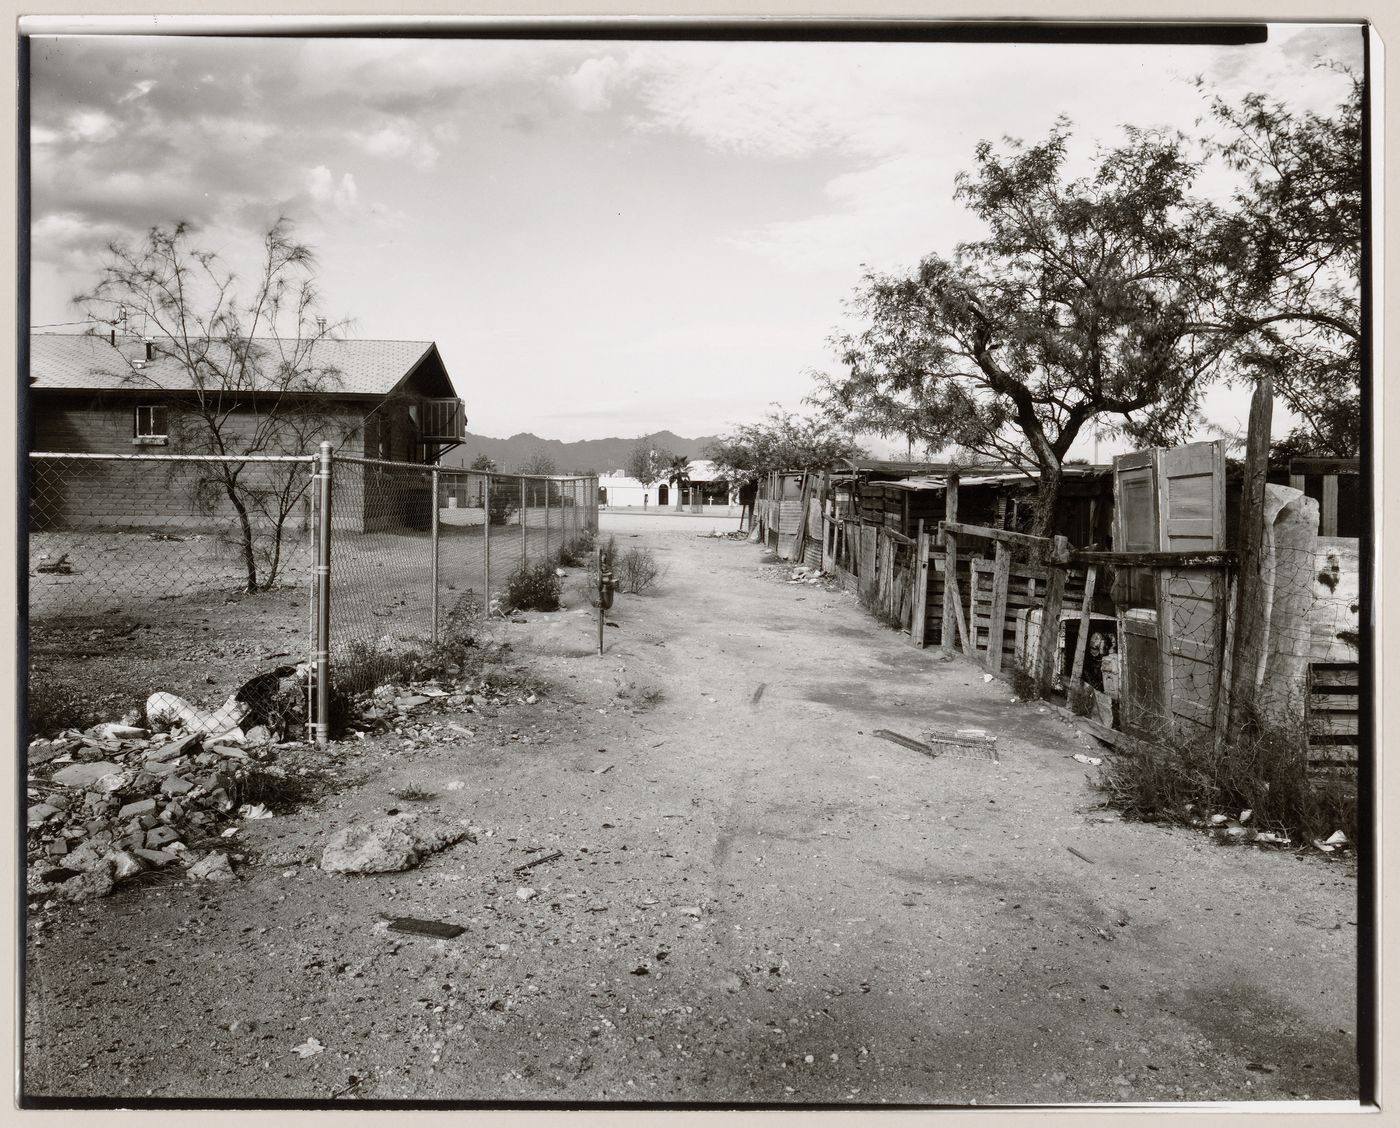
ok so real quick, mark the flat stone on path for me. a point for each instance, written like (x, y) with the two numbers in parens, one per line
(85, 775)
(398, 842)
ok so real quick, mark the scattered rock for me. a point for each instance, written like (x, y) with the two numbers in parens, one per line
(526, 894)
(95, 882)
(387, 845)
(85, 775)
(212, 867)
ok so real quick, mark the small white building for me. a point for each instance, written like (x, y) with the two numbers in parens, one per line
(705, 492)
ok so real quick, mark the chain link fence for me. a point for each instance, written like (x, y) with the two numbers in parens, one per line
(150, 573)
(192, 575)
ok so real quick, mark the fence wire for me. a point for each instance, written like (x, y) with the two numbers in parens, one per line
(192, 575)
(148, 573)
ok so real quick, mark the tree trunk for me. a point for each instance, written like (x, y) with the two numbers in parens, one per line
(246, 529)
(1047, 497)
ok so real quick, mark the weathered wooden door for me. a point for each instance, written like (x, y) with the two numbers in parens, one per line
(1135, 529)
(1191, 601)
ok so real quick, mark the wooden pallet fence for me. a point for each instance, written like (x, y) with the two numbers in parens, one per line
(1333, 718)
(1001, 590)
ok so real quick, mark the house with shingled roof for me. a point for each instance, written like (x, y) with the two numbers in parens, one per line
(120, 395)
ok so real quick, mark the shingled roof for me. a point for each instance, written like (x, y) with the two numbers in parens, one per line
(87, 362)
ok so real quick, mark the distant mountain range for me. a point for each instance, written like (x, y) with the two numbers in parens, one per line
(588, 455)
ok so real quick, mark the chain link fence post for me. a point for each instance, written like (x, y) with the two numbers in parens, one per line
(436, 517)
(524, 552)
(323, 601)
(546, 518)
(486, 539)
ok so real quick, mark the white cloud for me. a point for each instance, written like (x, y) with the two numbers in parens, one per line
(139, 90)
(589, 87)
(401, 141)
(90, 125)
(325, 191)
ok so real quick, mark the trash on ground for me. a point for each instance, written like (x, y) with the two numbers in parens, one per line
(526, 894)
(254, 811)
(438, 928)
(539, 861)
(1338, 839)
(310, 1048)
(1092, 761)
(904, 741)
(1081, 857)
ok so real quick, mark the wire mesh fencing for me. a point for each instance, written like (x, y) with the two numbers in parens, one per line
(193, 575)
(149, 573)
(417, 551)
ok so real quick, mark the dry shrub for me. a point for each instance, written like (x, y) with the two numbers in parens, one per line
(637, 570)
(1264, 771)
(535, 587)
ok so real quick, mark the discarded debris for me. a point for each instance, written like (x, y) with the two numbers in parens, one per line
(904, 741)
(523, 866)
(527, 894)
(758, 693)
(438, 928)
(59, 567)
(1081, 857)
(1338, 839)
(1092, 761)
(212, 867)
(254, 811)
(310, 1048)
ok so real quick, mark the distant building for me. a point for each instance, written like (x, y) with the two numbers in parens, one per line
(705, 492)
(90, 394)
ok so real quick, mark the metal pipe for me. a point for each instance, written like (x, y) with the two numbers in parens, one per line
(73, 455)
(436, 518)
(546, 518)
(486, 537)
(323, 603)
(524, 554)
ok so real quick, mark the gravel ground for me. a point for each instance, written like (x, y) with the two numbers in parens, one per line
(756, 900)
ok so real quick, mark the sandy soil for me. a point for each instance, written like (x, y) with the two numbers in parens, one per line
(757, 900)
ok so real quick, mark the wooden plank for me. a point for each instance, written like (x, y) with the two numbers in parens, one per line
(949, 541)
(1002, 536)
(1050, 623)
(968, 643)
(1301, 466)
(1224, 558)
(1081, 643)
(1251, 611)
(918, 622)
(1001, 576)
(1328, 525)
(1298, 482)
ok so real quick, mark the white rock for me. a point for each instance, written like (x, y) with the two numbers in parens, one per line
(1245, 814)
(526, 894)
(212, 867)
(986, 677)
(1337, 839)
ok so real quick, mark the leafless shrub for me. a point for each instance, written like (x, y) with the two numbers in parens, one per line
(637, 570)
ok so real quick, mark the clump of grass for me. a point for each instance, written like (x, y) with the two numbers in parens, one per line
(1265, 771)
(641, 695)
(1023, 683)
(576, 552)
(535, 587)
(414, 793)
(54, 707)
(1081, 700)
(273, 788)
(637, 570)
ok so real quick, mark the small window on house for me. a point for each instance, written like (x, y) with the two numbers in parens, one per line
(150, 424)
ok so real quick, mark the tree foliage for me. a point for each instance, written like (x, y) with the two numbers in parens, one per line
(781, 441)
(538, 463)
(677, 474)
(250, 376)
(1292, 247)
(483, 462)
(1084, 306)
(646, 462)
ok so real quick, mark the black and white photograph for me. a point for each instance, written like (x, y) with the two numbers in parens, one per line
(672, 564)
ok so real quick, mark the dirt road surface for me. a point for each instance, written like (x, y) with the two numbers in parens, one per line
(756, 900)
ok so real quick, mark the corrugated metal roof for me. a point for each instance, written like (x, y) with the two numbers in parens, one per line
(86, 362)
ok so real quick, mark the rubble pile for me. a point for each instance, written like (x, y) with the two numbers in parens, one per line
(118, 800)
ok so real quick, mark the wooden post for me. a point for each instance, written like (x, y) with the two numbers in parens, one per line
(1249, 588)
(918, 623)
(950, 569)
(1050, 622)
(996, 625)
(1298, 482)
(1227, 654)
(1328, 526)
(1076, 672)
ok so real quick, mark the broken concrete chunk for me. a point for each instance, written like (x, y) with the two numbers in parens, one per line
(165, 710)
(386, 845)
(155, 839)
(1338, 839)
(41, 751)
(212, 867)
(155, 857)
(140, 807)
(40, 813)
(124, 864)
(109, 730)
(96, 882)
(176, 785)
(85, 775)
(175, 749)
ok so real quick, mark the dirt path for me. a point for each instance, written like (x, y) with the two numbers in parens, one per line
(757, 900)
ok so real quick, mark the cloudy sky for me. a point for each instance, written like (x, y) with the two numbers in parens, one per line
(603, 238)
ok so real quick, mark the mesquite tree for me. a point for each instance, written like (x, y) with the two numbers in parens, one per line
(236, 366)
(782, 441)
(1086, 305)
(1292, 243)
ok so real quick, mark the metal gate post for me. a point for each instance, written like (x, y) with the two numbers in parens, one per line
(524, 553)
(546, 518)
(486, 538)
(323, 603)
(436, 473)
